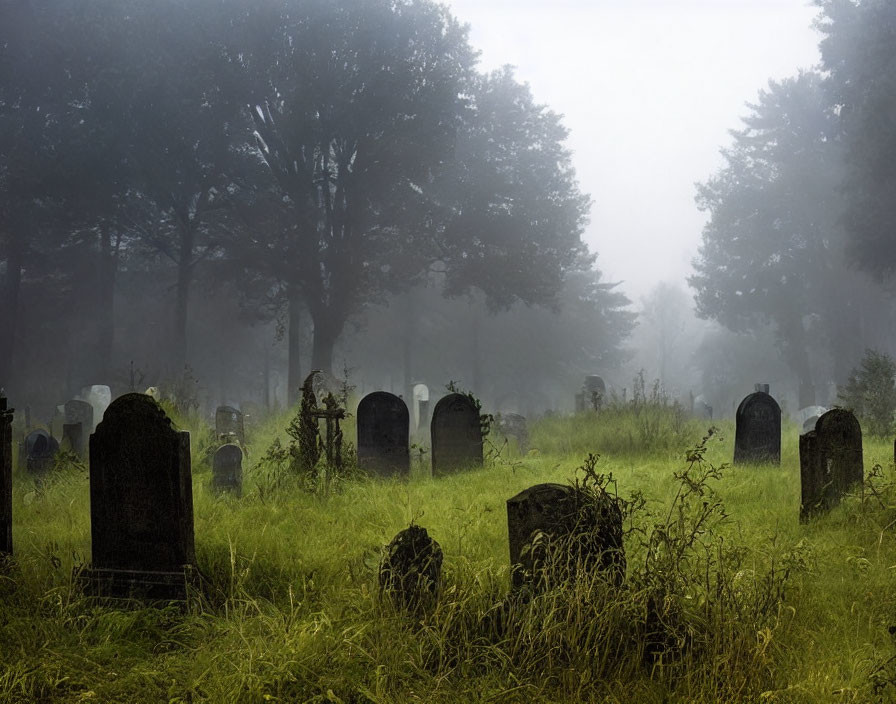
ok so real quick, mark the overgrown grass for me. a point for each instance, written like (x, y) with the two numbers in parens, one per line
(741, 602)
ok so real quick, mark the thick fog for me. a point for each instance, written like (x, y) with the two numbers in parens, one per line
(214, 198)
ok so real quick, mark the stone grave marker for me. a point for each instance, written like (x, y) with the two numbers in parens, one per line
(227, 469)
(40, 450)
(229, 423)
(420, 394)
(78, 413)
(514, 425)
(99, 396)
(411, 569)
(456, 435)
(141, 504)
(555, 530)
(830, 461)
(757, 437)
(383, 431)
(6, 417)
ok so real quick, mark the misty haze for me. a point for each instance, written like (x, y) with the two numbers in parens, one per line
(401, 351)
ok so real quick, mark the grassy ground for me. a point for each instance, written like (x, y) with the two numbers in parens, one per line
(756, 606)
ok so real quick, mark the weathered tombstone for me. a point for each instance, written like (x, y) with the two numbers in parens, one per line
(73, 438)
(554, 530)
(514, 425)
(830, 461)
(79, 412)
(757, 437)
(40, 451)
(99, 396)
(383, 429)
(6, 416)
(420, 394)
(411, 569)
(227, 469)
(141, 503)
(229, 423)
(456, 434)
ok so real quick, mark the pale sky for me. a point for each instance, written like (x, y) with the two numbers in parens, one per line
(649, 90)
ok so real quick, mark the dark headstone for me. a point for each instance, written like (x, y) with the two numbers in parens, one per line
(141, 503)
(6, 417)
(73, 438)
(410, 572)
(227, 469)
(456, 435)
(40, 451)
(79, 412)
(556, 530)
(383, 430)
(830, 461)
(229, 422)
(757, 436)
(514, 425)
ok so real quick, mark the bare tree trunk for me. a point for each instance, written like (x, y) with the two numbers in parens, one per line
(327, 328)
(294, 366)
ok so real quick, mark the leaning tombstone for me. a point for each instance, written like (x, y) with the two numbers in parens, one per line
(757, 435)
(229, 424)
(227, 469)
(411, 569)
(556, 530)
(830, 461)
(141, 504)
(383, 429)
(6, 416)
(79, 412)
(40, 452)
(456, 434)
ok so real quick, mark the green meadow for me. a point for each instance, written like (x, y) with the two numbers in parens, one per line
(728, 598)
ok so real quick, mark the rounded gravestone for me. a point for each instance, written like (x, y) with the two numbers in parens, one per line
(40, 451)
(411, 569)
(141, 503)
(830, 461)
(555, 530)
(456, 435)
(227, 469)
(757, 437)
(383, 430)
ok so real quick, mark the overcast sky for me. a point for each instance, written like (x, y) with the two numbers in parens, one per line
(649, 90)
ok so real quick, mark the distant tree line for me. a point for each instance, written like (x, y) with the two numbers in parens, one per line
(801, 235)
(297, 162)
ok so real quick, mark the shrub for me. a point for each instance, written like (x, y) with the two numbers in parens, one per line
(871, 393)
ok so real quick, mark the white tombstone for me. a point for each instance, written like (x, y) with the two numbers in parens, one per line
(99, 396)
(421, 394)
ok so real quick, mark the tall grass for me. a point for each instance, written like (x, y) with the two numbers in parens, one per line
(727, 597)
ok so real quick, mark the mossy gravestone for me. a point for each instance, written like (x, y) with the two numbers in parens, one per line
(456, 435)
(227, 469)
(556, 530)
(411, 570)
(141, 503)
(6, 416)
(383, 428)
(830, 461)
(757, 437)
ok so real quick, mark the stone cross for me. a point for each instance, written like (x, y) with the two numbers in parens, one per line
(332, 414)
